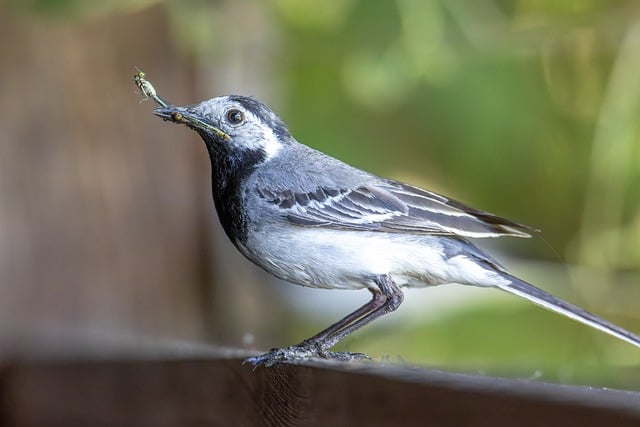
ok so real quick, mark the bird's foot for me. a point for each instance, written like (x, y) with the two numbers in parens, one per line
(299, 352)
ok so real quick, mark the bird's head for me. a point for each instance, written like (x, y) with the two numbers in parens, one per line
(233, 125)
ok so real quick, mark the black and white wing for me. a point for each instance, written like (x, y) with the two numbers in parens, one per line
(392, 207)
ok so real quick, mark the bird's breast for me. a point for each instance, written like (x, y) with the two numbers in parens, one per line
(328, 258)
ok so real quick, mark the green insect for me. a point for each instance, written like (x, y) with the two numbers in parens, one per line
(147, 88)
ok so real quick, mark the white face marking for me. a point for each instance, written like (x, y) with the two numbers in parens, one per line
(267, 141)
(251, 134)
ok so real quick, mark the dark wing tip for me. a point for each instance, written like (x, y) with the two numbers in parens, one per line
(478, 223)
(501, 225)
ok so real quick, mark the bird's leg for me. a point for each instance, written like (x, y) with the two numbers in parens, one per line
(386, 299)
(378, 299)
(393, 297)
(313, 346)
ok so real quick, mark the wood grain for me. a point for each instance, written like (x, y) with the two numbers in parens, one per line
(221, 391)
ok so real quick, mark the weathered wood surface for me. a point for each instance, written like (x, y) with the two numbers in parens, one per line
(218, 390)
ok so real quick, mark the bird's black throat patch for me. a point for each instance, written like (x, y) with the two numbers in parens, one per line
(229, 170)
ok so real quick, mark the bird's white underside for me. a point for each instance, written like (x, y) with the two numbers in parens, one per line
(356, 257)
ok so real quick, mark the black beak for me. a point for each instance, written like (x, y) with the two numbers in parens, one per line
(170, 112)
(181, 115)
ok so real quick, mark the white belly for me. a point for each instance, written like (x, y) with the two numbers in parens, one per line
(350, 259)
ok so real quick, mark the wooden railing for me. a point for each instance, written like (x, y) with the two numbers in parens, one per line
(215, 388)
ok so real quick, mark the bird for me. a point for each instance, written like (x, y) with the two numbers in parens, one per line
(313, 220)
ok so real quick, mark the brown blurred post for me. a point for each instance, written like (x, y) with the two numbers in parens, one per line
(99, 229)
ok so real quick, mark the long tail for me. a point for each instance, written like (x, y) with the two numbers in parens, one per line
(548, 301)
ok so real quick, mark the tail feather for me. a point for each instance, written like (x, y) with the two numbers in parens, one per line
(552, 303)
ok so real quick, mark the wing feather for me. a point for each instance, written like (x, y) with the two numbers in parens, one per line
(389, 206)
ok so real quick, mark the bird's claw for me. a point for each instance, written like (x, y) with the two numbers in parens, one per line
(301, 352)
(342, 355)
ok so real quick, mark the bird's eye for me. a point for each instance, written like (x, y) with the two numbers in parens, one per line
(235, 117)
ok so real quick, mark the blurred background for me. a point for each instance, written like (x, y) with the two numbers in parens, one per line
(527, 109)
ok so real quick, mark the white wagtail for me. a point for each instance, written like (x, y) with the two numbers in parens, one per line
(315, 221)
